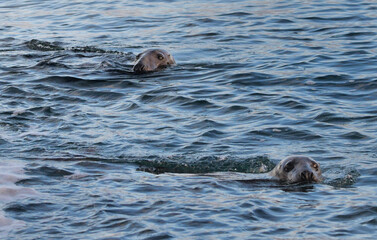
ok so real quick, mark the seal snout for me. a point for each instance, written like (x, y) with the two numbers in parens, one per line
(307, 176)
(139, 68)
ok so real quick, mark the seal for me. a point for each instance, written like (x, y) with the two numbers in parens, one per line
(296, 169)
(152, 60)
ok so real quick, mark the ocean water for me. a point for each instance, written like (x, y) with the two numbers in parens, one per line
(90, 150)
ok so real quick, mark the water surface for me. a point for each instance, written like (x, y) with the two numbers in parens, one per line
(108, 154)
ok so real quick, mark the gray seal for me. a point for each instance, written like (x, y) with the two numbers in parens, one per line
(295, 169)
(152, 60)
(292, 169)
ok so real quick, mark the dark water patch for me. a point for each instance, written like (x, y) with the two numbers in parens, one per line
(199, 105)
(368, 85)
(214, 134)
(31, 207)
(2, 141)
(209, 20)
(293, 104)
(35, 150)
(265, 214)
(206, 35)
(44, 88)
(156, 98)
(250, 79)
(236, 14)
(36, 55)
(358, 34)
(14, 91)
(69, 99)
(235, 109)
(282, 21)
(335, 19)
(294, 30)
(356, 212)
(75, 81)
(354, 136)
(47, 111)
(49, 171)
(332, 78)
(116, 222)
(205, 124)
(328, 117)
(357, 52)
(132, 106)
(367, 118)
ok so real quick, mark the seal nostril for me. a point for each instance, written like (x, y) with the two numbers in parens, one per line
(303, 176)
(306, 176)
(138, 68)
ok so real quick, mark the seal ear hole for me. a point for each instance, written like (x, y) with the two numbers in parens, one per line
(289, 167)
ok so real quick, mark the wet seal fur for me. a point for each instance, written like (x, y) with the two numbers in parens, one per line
(152, 60)
(297, 169)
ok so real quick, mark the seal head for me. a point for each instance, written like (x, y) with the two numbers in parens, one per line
(295, 169)
(152, 60)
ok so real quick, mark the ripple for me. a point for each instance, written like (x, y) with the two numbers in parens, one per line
(286, 133)
(199, 104)
(98, 95)
(335, 19)
(204, 124)
(250, 79)
(214, 134)
(331, 118)
(293, 104)
(14, 91)
(235, 109)
(75, 82)
(50, 171)
(355, 212)
(355, 136)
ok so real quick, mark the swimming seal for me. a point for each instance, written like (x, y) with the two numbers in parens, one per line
(152, 60)
(295, 169)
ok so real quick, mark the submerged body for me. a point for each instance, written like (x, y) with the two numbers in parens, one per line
(292, 169)
(152, 60)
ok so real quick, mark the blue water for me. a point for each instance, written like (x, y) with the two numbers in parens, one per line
(108, 154)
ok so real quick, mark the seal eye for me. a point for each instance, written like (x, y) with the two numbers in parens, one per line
(289, 167)
(160, 56)
(315, 166)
